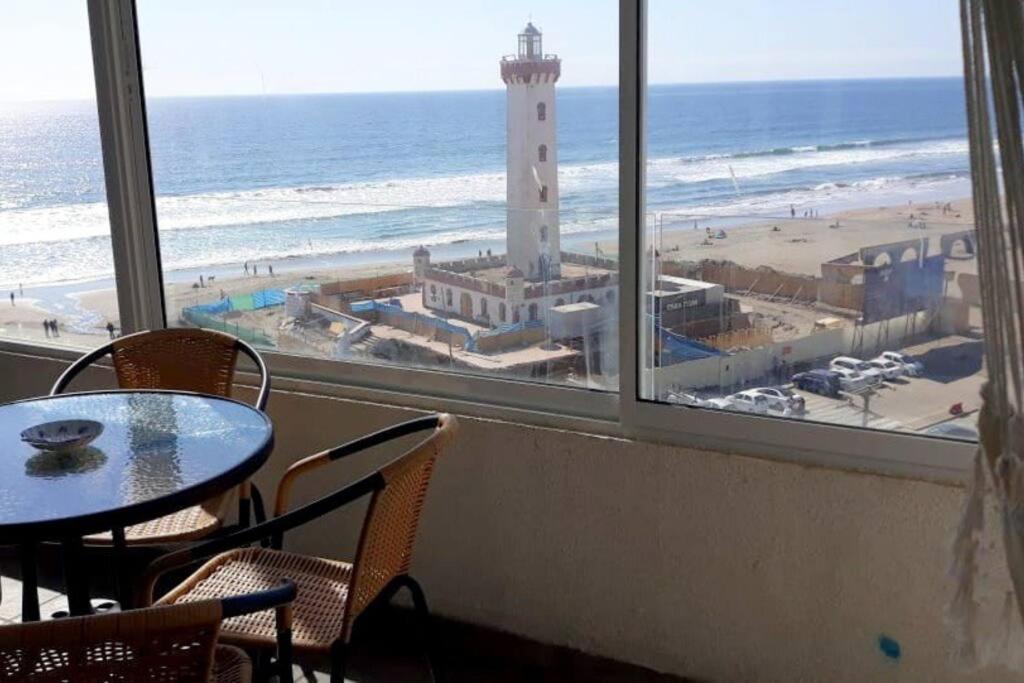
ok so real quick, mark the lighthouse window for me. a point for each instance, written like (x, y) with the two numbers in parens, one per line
(533, 311)
(483, 308)
(542, 153)
(501, 312)
(544, 194)
(542, 111)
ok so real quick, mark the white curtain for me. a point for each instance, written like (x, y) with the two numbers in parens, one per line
(988, 565)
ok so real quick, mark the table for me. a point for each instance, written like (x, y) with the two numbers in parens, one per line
(160, 451)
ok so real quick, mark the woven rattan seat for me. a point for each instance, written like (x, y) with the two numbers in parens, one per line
(191, 524)
(171, 644)
(318, 612)
(332, 594)
(231, 665)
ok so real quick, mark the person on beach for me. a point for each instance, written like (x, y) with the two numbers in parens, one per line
(792, 211)
(55, 328)
(46, 328)
(201, 283)
(270, 269)
(254, 273)
(246, 266)
(12, 298)
(110, 329)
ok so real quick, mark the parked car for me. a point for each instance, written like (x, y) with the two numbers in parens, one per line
(852, 380)
(890, 369)
(952, 430)
(782, 399)
(749, 402)
(914, 367)
(871, 375)
(822, 382)
(724, 403)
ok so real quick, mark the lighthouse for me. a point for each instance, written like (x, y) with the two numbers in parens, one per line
(532, 235)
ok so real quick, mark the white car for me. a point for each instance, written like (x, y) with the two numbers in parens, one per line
(782, 399)
(749, 402)
(914, 367)
(851, 380)
(890, 369)
(724, 403)
(871, 375)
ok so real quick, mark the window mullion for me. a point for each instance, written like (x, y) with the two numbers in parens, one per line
(631, 126)
(121, 108)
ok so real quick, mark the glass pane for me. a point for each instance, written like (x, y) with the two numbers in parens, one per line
(808, 248)
(443, 204)
(56, 269)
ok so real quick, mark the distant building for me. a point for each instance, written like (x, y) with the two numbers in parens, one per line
(534, 275)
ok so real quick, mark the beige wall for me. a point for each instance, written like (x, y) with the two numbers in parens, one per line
(713, 566)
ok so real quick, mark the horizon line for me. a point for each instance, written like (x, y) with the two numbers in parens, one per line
(830, 79)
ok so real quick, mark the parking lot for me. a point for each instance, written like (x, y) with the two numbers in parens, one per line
(953, 374)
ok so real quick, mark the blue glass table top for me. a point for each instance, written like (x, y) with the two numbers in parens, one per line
(159, 452)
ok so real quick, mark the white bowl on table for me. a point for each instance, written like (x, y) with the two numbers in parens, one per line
(62, 435)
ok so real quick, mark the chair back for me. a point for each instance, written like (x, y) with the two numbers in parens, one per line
(177, 359)
(186, 359)
(174, 644)
(389, 529)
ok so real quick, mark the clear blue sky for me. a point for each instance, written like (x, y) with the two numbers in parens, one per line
(206, 47)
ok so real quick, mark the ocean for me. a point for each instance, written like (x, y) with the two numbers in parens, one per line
(313, 180)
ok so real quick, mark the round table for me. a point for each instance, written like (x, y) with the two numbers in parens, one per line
(160, 451)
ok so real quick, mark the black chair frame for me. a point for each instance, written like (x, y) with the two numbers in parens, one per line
(273, 531)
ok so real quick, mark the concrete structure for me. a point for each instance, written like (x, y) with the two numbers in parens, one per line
(535, 275)
(532, 234)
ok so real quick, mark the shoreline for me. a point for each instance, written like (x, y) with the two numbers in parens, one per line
(799, 246)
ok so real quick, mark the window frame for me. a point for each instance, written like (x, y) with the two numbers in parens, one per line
(139, 279)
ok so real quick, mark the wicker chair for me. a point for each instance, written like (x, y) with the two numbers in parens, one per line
(332, 593)
(184, 360)
(176, 644)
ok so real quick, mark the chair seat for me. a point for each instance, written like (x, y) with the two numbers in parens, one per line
(191, 524)
(318, 611)
(230, 665)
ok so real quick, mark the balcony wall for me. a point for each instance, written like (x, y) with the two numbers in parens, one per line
(709, 565)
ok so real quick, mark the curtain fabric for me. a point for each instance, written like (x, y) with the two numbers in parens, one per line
(988, 566)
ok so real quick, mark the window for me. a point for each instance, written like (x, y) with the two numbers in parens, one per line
(56, 261)
(358, 202)
(807, 252)
(802, 250)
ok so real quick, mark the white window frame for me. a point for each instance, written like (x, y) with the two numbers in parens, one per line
(121, 105)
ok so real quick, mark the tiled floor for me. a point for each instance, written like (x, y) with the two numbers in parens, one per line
(387, 650)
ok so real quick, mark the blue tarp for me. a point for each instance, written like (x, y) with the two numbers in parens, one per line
(676, 348)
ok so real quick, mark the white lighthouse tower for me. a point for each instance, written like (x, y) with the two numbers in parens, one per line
(532, 159)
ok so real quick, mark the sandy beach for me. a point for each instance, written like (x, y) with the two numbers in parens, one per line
(799, 245)
(802, 244)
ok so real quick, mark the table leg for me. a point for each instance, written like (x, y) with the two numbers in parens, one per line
(29, 583)
(76, 578)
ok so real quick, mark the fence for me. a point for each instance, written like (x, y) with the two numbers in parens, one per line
(209, 322)
(509, 335)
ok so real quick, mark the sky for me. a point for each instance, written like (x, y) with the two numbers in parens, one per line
(240, 47)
